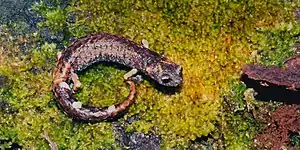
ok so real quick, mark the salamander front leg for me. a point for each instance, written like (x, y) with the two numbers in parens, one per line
(145, 43)
(130, 76)
(76, 81)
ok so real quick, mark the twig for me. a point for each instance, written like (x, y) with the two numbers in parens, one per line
(52, 144)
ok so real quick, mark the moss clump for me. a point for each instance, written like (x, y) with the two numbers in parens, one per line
(276, 44)
(98, 92)
(239, 126)
(210, 39)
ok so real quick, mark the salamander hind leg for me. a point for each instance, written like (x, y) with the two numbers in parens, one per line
(58, 55)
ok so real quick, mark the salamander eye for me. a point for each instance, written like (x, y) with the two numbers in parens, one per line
(166, 78)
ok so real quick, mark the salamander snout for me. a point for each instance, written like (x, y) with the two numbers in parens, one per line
(166, 74)
(172, 78)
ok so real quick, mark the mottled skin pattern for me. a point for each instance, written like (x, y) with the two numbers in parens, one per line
(109, 48)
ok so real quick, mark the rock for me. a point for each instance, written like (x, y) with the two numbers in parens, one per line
(135, 140)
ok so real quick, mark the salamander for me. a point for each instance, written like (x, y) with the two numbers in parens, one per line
(106, 47)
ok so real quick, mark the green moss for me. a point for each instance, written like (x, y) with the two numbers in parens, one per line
(295, 140)
(210, 39)
(239, 125)
(55, 16)
(276, 44)
(98, 92)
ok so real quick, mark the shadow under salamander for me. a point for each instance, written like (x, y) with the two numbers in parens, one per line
(161, 88)
(272, 91)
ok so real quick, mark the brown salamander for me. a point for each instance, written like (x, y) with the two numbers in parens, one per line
(109, 48)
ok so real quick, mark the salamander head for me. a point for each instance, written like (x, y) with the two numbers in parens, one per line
(166, 73)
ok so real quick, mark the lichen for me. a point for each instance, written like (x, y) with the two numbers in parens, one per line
(210, 39)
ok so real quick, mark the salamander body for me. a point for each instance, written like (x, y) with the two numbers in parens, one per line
(109, 48)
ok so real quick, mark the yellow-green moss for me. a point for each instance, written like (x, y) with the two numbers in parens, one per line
(210, 39)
